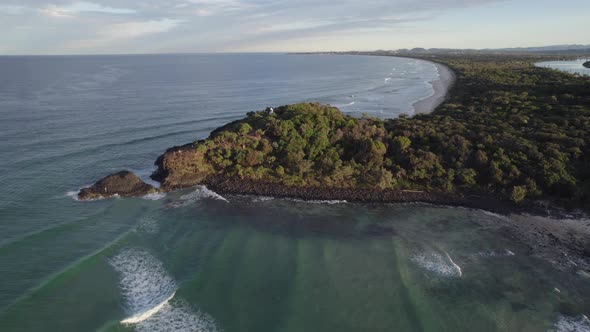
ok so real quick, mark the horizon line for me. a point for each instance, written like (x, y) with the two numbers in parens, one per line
(283, 52)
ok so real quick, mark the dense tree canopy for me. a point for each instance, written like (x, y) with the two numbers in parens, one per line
(509, 128)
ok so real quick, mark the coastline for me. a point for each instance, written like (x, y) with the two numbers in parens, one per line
(531, 222)
(441, 86)
(550, 234)
(233, 186)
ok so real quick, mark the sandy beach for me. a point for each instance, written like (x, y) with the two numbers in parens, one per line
(441, 88)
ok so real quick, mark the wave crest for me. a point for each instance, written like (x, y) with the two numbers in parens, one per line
(202, 192)
(149, 293)
(572, 324)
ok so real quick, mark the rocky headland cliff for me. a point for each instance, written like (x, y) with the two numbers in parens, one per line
(493, 144)
(509, 136)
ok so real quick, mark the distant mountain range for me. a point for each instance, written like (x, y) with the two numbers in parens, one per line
(552, 49)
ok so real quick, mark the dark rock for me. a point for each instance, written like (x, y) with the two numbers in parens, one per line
(180, 167)
(587, 64)
(230, 185)
(124, 184)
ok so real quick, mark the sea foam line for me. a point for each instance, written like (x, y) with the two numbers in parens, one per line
(329, 202)
(154, 196)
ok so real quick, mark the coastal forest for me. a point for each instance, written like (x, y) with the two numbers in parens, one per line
(508, 129)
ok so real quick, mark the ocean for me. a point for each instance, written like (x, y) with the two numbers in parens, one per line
(194, 260)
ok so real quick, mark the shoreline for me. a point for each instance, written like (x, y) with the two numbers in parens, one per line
(441, 86)
(549, 234)
(543, 235)
(233, 186)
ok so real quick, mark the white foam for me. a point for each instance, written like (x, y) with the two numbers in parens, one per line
(177, 316)
(495, 215)
(571, 324)
(329, 202)
(202, 192)
(387, 79)
(345, 105)
(503, 253)
(154, 196)
(149, 293)
(259, 199)
(148, 225)
(584, 274)
(144, 282)
(73, 195)
(441, 264)
(457, 267)
(142, 316)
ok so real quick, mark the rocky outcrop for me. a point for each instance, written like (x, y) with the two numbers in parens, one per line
(180, 167)
(587, 64)
(124, 184)
(225, 185)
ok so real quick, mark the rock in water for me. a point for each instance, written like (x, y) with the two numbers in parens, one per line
(587, 64)
(125, 184)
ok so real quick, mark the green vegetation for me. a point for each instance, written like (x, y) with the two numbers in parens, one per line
(509, 129)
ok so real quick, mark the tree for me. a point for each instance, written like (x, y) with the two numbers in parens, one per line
(518, 194)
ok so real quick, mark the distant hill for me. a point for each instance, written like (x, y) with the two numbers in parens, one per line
(552, 49)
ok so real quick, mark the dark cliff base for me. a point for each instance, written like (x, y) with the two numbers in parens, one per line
(223, 185)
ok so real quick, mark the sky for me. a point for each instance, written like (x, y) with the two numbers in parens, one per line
(198, 26)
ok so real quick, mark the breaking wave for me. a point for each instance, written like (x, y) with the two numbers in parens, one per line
(329, 202)
(439, 263)
(73, 195)
(495, 215)
(149, 293)
(148, 225)
(154, 196)
(572, 324)
(202, 192)
(500, 253)
(259, 199)
(345, 105)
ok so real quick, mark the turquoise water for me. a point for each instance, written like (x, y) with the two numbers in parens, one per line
(196, 261)
(573, 67)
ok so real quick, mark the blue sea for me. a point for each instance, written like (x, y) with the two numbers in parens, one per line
(194, 260)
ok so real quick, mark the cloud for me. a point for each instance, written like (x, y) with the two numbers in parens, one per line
(81, 7)
(204, 25)
(76, 8)
(54, 11)
(130, 30)
(11, 9)
(120, 33)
